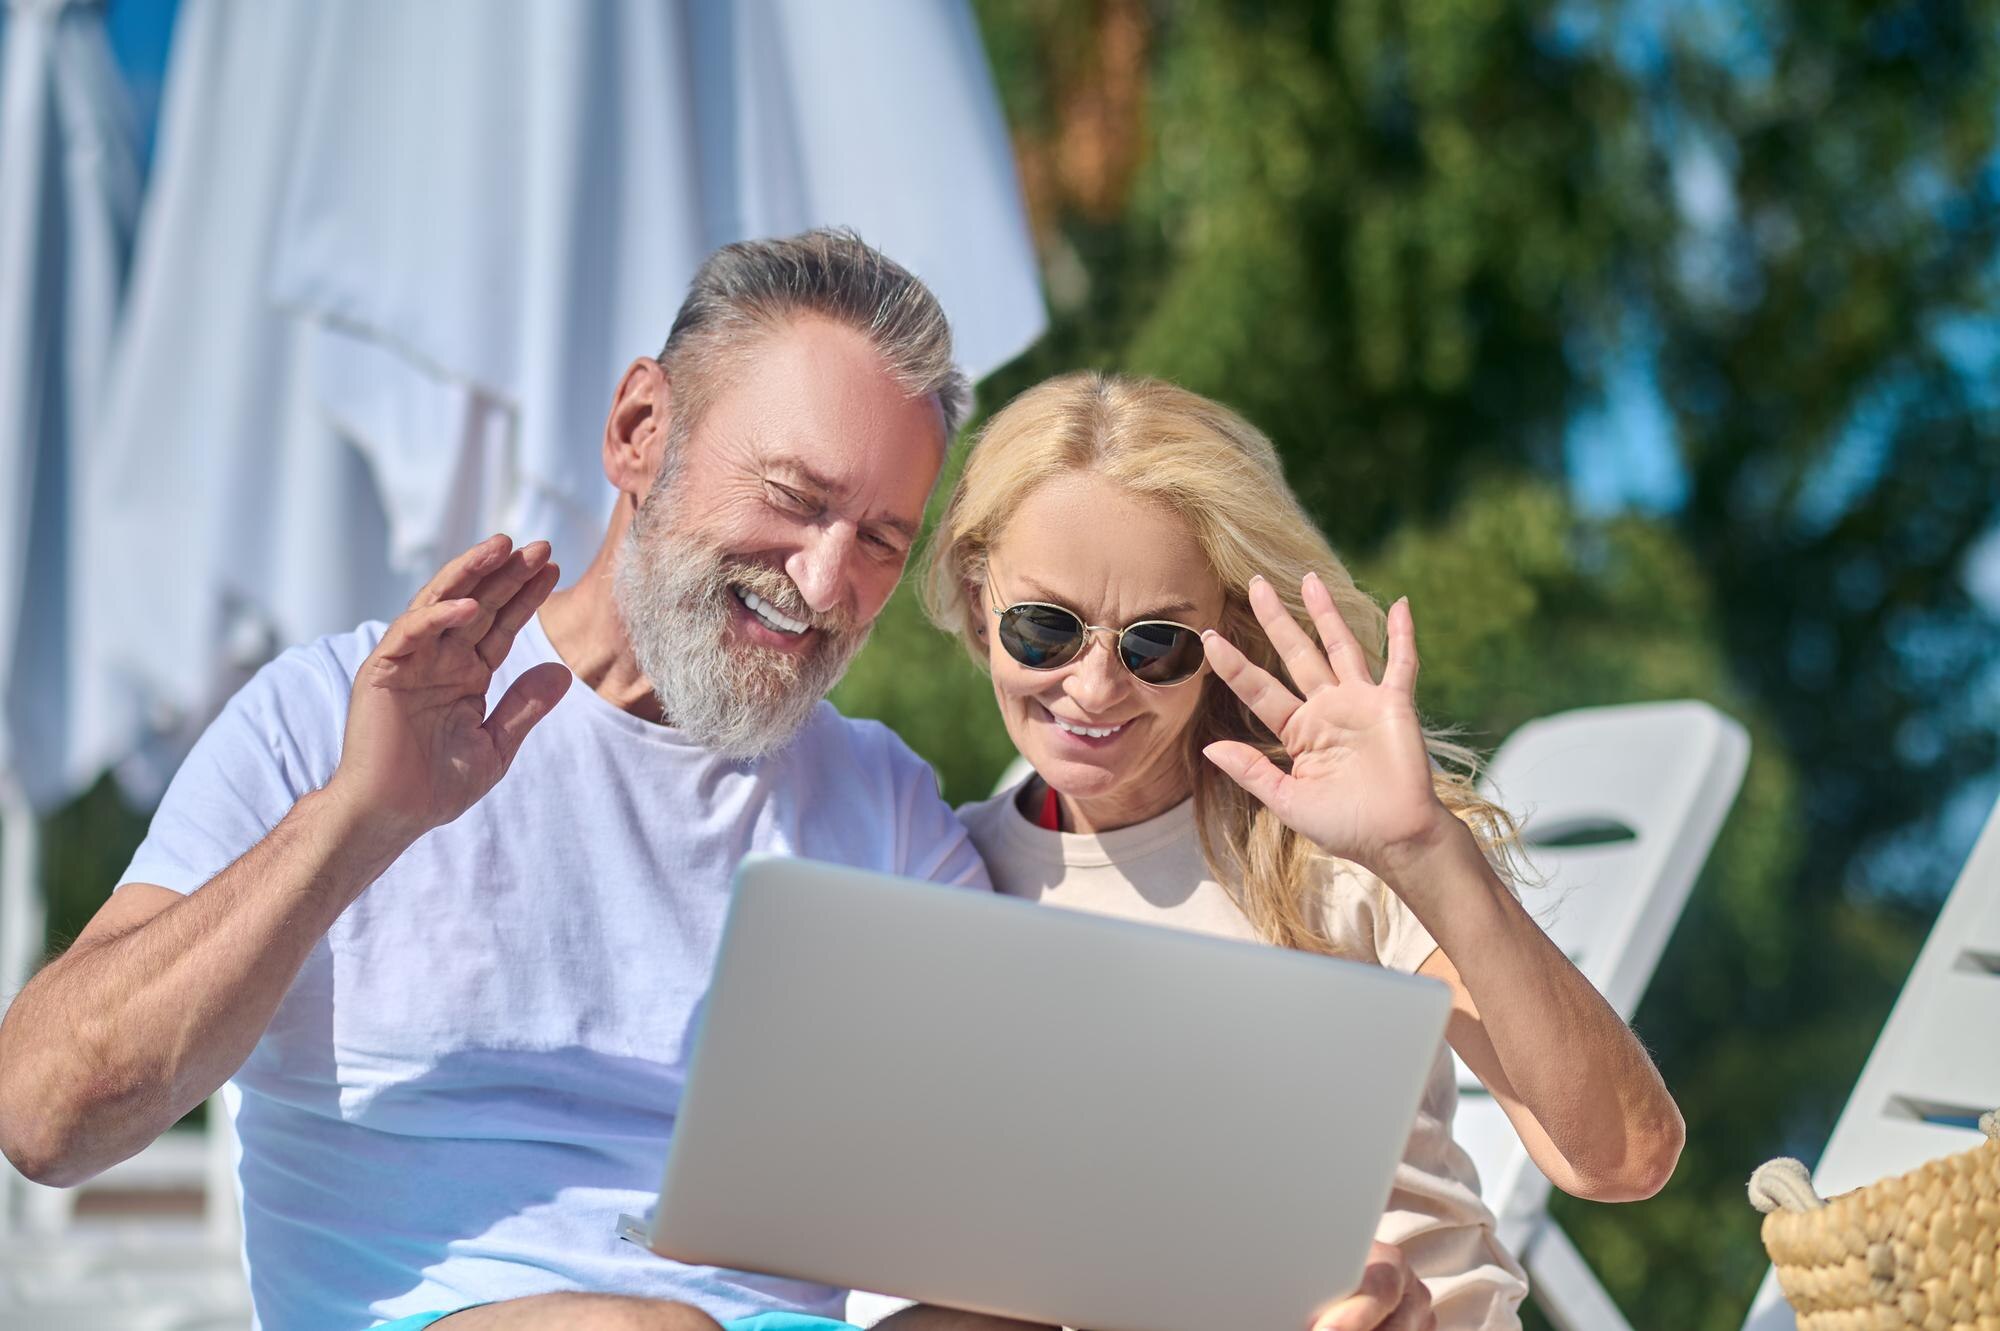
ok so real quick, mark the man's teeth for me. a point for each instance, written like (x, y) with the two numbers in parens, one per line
(769, 613)
(1094, 732)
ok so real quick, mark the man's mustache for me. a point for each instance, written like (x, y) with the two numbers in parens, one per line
(773, 586)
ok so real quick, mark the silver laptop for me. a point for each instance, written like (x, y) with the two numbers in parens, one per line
(976, 1101)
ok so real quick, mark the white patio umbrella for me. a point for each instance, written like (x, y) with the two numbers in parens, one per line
(69, 178)
(69, 187)
(430, 236)
(224, 514)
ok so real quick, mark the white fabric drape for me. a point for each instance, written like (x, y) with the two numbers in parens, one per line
(69, 194)
(69, 191)
(226, 515)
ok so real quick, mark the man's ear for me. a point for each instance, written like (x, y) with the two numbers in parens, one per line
(635, 434)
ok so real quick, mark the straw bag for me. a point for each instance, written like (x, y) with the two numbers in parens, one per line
(1920, 1252)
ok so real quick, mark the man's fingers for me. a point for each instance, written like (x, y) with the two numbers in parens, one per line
(1343, 650)
(462, 574)
(1259, 689)
(1249, 769)
(528, 701)
(1384, 1282)
(500, 584)
(499, 639)
(1302, 658)
(420, 624)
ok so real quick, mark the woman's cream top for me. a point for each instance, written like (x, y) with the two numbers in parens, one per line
(1154, 871)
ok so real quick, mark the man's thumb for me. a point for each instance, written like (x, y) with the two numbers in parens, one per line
(525, 703)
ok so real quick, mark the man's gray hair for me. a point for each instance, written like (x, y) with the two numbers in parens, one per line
(745, 291)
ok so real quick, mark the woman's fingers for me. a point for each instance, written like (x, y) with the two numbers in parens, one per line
(499, 639)
(462, 574)
(1401, 671)
(1272, 702)
(1380, 1302)
(1249, 769)
(1302, 658)
(1343, 651)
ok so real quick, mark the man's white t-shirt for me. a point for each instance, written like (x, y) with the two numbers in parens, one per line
(478, 1068)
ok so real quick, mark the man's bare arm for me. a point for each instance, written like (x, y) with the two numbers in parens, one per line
(162, 998)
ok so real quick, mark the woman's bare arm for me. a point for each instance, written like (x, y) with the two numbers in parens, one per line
(1573, 1079)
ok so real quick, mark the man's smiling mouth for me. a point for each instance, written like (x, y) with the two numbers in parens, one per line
(769, 615)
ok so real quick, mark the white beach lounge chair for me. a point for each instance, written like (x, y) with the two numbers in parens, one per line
(1618, 807)
(1933, 1071)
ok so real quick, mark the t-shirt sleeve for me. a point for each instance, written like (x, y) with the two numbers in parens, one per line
(932, 842)
(1364, 917)
(1401, 941)
(278, 739)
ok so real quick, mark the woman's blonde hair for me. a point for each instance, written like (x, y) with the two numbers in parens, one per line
(1207, 464)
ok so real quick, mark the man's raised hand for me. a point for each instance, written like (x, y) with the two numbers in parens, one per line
(421, 748)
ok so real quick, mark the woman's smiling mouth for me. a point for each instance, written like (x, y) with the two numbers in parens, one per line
(1086, 732)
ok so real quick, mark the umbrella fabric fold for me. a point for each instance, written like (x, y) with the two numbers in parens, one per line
(494, 206)
(69, 172)
(225, 515)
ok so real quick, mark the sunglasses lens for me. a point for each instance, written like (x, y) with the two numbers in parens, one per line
(1040, 637)
(1160, 653)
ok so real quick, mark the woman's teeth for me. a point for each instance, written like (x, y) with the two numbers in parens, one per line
(1095, 732)
(768, 613)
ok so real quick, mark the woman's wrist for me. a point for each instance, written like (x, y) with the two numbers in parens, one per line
(1444, 861)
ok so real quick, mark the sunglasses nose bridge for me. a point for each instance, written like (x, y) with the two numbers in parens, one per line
(1093, 632)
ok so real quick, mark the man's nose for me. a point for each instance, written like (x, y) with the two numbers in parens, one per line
(820, 567)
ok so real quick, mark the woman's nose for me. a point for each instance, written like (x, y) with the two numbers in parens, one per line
(1096, 678)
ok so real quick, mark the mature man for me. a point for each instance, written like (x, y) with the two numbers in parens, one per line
(452, 991)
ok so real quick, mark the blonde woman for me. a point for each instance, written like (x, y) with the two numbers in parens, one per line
(1219, 743)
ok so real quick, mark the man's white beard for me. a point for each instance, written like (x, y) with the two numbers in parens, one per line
(735, 698)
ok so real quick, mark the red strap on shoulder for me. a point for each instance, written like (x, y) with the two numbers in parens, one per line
(1051, 819)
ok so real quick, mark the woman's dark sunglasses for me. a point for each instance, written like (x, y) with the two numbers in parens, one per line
(1048, 637)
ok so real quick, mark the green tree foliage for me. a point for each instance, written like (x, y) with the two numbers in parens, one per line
(1410, 239)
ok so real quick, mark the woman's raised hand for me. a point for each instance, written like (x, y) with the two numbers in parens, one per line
(421, 747)
(1360, 785)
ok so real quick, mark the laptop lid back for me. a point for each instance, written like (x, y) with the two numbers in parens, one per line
(976, 1101)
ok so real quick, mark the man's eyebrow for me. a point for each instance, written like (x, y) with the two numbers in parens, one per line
(1157, 612)
(803, 471)
(826, 485)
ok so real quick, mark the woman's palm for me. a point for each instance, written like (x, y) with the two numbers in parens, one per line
(1360, 780)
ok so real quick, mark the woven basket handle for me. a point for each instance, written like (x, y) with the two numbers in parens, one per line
(1785, 1184)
